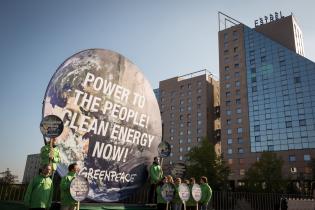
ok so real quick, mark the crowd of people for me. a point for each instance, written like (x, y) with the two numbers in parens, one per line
(157, 180)
(40, 190)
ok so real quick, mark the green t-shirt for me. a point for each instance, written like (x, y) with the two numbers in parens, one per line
(39, 192)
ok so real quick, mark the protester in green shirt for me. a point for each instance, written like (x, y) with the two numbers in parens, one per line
(156, 175)
(177, 202)
(50, 154)
(40, 190)
(206, 193)
(67, 202)
(161, 203)
(191, 203)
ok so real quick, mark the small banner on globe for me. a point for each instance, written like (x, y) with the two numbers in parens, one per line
(112, 122)
(51, 126)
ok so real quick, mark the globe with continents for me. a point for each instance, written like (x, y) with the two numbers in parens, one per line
(112, 122)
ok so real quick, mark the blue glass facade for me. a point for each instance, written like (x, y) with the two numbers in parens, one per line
(281, 95)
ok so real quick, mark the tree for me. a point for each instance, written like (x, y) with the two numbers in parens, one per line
(7, 177)
(202, 160)
(265, 175)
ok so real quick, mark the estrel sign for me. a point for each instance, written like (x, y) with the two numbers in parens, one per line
(268, 19)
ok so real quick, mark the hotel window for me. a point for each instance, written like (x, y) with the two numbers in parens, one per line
(302, 122)
(172, 107)
(237, 74)
(226, 68)
(238, 101)
(181, 125)
(256, 128)
(198, 139)
(199, 131)
(180, 157)
(228, 121)
(229, 131)
(188, 132)
(228, 94)
(307, 157)
(180, 149)
(181, 87)
(199, 98)
(254, 89)
(181, 133)
(181, 101)
(172, 115)
(188, 149)
(235, 35)
(229, 151)
(228, 85)
(238, 92)
(181, 117)
(239, 130)
(228, 112)
(189, 86)
(239, 120)
(188, 124)
(254, 79)
(199, 90)
(297, 80)
(230, 161)
(227, 77)
(180, 141)
(228, 103)
(237, 84)
(189, 140)
(229, 141)
(199, 122)
(236, 65)
(171, 154)
(242, 172)
(288, 124)
(239, 140)
(225, 36)
(188, 116)
(239, 111)
(292, 158)
(172, 138)
(235, 49)
(240, 150)
(181, 109)
(257, 138)
(189, 108)
(199, 83)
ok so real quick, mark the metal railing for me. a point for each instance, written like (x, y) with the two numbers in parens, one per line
(219, 200)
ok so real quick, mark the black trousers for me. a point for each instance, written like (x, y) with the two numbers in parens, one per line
(152, 193)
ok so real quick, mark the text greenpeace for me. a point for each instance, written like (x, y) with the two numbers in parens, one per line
(112, 122)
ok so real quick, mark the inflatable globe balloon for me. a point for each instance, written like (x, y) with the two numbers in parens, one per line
(112, 122)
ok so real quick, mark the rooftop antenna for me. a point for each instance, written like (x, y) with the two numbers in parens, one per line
(226, 21)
